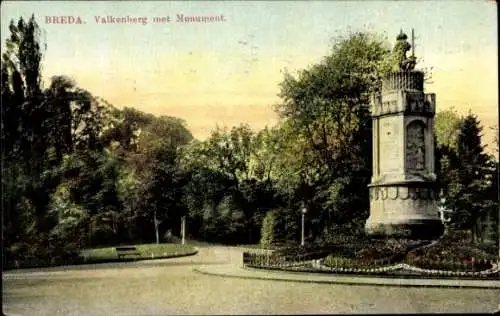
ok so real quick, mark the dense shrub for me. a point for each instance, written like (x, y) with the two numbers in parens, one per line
(345, 239)
(455, 237)
(390, 250)
(42, 254)
(344, 246)
(363, 249)
(445, 256)
(491, 248)
(373, 254)
(267, 230)
(311, 252)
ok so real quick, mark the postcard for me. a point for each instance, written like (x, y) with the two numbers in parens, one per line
(249, 157)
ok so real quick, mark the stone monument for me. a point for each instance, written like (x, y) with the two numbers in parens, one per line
(402, 189)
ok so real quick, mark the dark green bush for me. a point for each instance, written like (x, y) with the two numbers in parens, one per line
(312, 252)
(445, 256)
(491, 248)
(390, 250)
(267, 230)
(455, 237)
(46, 251)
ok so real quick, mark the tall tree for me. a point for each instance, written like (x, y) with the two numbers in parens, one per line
(126, 126)
(156, 166)
(446, 131)
(232, 175)
(326, 107)
(24, 116)
(471, 180)
(447, 128)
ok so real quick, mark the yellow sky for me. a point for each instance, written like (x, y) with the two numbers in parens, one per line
(228, 73)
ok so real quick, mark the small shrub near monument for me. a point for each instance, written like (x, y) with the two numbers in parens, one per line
(267, 230)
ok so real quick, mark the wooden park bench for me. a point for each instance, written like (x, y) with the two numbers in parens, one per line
(127, 251)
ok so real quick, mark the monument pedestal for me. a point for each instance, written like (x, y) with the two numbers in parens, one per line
(405, 209)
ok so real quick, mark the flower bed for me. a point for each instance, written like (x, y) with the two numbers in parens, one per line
(348, 248)
(389, 257)
(444, 257)
(390, 251)
(352, 263)
(312, 252)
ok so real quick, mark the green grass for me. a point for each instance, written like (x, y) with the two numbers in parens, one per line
(147, 251)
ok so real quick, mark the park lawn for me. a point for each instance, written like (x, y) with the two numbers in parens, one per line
(147, 251)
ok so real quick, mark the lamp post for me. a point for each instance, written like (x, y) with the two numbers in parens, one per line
(304, 211)
(183, 229)
(498, 195)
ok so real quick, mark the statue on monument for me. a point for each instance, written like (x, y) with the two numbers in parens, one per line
(401, 62)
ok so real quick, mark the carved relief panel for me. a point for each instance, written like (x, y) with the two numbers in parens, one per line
(390, 153)
(415, 146)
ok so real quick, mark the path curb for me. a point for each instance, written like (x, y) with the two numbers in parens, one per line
(241, 273)
(195, 251)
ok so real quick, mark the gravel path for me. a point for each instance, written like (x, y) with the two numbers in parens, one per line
(165, 287)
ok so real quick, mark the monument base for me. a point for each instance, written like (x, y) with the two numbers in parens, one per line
(426, 229)
(405, 209)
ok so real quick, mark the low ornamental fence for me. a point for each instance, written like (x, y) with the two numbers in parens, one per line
(270, 260)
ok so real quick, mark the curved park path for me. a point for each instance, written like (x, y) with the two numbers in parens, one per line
(170, 286)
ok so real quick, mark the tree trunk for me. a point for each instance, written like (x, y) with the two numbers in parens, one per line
(157, 234)
(473, 233)
(481, 232)
(157, 224)
(249, 228)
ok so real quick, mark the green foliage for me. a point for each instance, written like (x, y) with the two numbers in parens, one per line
(469, 178)
(125, 127)
(391, 250)
(68, 214)
(447, 128)
(232, 170)
(326, 117)
(267, 230)
(79, 172)
(318, 154)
